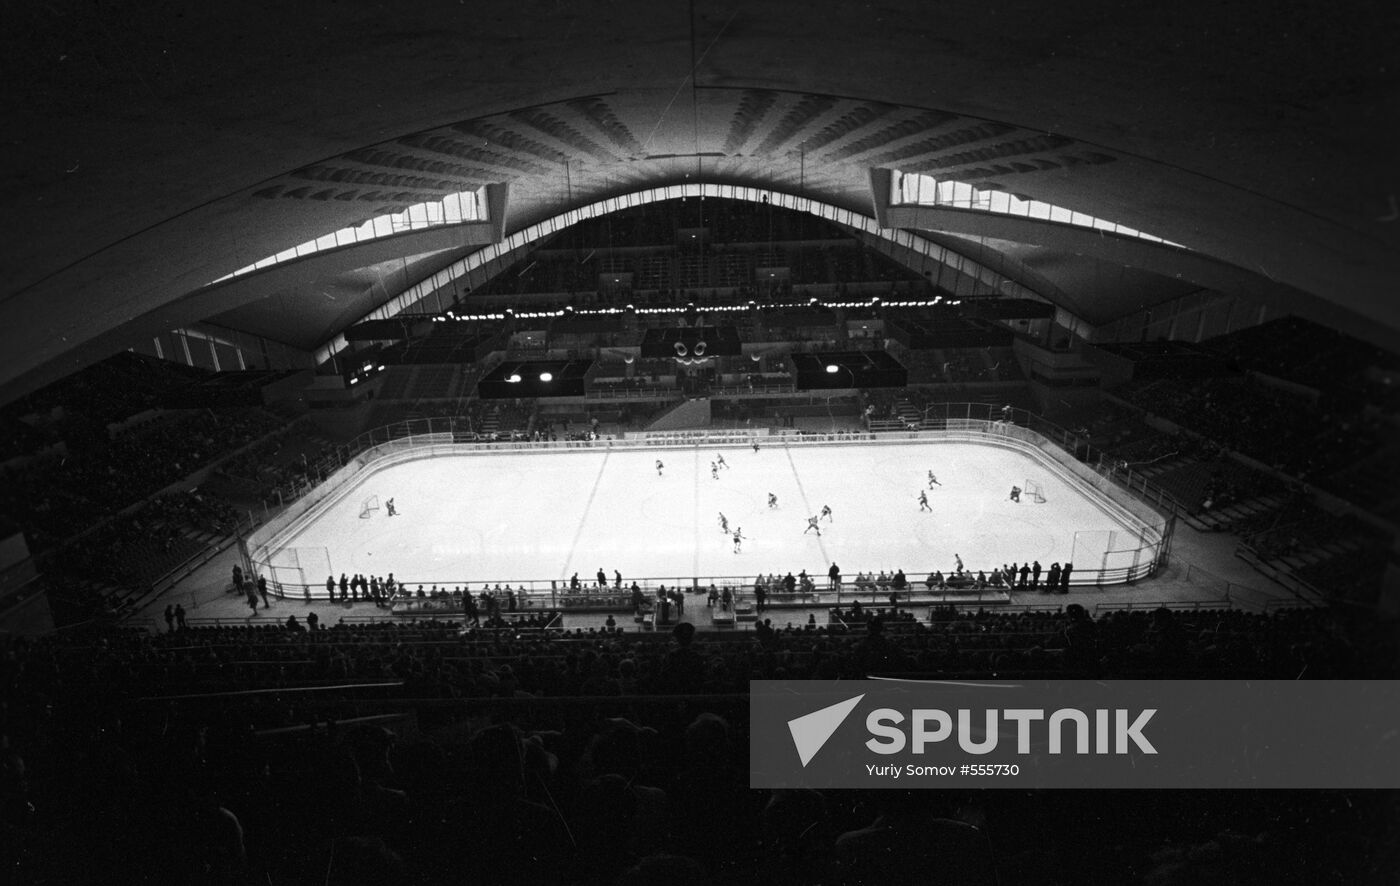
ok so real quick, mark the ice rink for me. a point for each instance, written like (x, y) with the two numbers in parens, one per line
(543, 516)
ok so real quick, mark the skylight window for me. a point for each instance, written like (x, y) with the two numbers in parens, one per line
(917, 189)
(466, 206)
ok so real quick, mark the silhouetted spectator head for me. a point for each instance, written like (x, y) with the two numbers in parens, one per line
(707, 737)
(665, 870)
(363, 861)
(498, 761)
(683, 633)
(790, 817)
(369, 747)
(16, 810)
(618, 748)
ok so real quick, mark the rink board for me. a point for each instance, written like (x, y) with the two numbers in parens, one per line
(542, 516)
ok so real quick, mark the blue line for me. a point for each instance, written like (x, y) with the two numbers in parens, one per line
(805, 503)
(695, 518)
(588, 506)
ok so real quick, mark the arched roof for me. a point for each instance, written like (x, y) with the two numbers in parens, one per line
(157, 147)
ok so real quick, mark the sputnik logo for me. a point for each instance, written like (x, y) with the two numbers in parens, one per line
(811, 731)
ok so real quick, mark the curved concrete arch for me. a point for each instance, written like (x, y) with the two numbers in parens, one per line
(524, 237)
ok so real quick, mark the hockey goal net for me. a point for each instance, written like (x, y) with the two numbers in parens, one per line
(1033, 491)
(368, 507)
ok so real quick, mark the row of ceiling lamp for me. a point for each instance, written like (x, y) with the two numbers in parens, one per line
(599, 312)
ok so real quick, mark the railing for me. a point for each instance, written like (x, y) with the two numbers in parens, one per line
(1240, 595)
(1176, 605)
(556, 594)
(745, 390)
(1303, 591)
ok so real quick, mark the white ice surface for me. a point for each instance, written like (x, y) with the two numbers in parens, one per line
(543, 516)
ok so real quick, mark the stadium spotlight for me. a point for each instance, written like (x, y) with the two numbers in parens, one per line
(381, 367)
(546, 376)
(355, 380)
(513, 378)
(832, 367)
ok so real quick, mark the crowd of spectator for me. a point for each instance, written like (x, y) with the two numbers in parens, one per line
(422, 754)
(287, 460)
(58, 497)
(1306, 353)
(139, 547)
(1285, 432)
(109, 391)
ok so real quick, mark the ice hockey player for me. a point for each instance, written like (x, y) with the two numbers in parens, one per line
(1016, 494)
(826, 512)
(659, 466)
(738, 538)
(389, 508)
(719, 460)
(723, 524)
(811, 525)
(772, 500)
(923, 502)
(932, 480)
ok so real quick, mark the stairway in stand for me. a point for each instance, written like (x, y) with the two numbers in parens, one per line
(491, 421)
(1221, 519)
(908, 413)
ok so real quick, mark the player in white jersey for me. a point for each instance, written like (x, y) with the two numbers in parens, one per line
(811, 525)
(738, 538)
(932, 480)
(721, 462)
